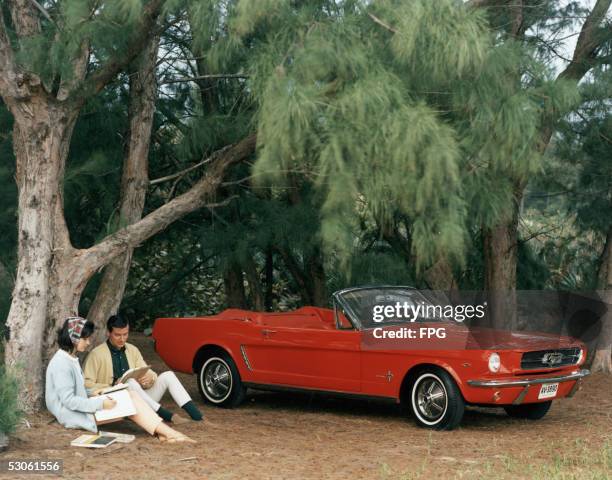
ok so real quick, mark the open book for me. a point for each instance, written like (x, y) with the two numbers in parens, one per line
(135, 373)
(93, 441)
(124, 408)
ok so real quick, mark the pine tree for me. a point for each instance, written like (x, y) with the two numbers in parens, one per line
(53, 58)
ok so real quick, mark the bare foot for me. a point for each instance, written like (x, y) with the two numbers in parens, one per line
(176, 439)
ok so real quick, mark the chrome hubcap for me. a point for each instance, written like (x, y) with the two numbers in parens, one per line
(431, 399)
(217, 380)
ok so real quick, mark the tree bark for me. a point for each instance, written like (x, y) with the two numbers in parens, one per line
(316, 276)
(602, 361)
(134, 183)
(255, 289)
(500, 255)
(233, 280)
(296, 273)
(440, 276)
(41, 135)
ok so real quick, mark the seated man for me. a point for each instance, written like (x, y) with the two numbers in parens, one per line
(109, 361)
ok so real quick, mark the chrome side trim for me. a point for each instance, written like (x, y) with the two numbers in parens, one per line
(578, 374)
(245, 358)
(335, 393)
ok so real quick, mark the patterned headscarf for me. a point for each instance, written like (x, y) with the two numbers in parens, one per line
(75, 327)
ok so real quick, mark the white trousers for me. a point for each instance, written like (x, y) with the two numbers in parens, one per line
(167, 381)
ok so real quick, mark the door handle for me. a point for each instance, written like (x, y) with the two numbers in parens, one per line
(267, 333)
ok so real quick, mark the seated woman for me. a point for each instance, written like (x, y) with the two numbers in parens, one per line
(66, 396)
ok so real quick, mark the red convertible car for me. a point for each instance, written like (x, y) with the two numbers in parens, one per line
(326, 350)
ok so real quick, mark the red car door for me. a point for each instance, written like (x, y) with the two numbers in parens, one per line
(314, 358)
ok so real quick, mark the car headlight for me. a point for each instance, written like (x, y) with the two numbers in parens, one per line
(494, 362)
(580, 357)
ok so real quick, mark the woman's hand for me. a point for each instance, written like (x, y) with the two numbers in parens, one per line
(109, 403)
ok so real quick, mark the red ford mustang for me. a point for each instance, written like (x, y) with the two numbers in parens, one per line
(342, 351)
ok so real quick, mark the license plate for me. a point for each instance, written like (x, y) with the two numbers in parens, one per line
(548, 390)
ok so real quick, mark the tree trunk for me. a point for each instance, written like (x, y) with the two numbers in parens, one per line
(234, 287)
(316, 274)
(440, 276)
(41, 135)
(297, 274)
(500, 255)
(51, 274)
(602, 361)
(255, 288)
(134, 184)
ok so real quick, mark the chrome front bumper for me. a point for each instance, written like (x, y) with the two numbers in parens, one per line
(527, 382)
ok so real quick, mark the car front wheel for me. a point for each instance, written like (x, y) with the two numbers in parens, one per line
(219, 382)
(435, 400)
(530, 411)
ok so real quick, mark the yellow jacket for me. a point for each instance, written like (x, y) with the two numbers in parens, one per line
(98, 370)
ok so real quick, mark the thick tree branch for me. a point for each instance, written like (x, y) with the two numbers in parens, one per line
(132, 235)
(8, 71)
(145, 31)
(134, 181)
(25, 17)
(589, 41)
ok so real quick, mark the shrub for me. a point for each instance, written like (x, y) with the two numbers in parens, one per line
(10, 413)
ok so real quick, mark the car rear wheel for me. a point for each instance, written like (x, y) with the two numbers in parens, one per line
(435, 400)
(219, 382)
(530, 411)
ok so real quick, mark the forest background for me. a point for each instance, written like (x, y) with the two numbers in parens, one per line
(175, 157)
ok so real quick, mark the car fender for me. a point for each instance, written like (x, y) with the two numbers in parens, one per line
(431, 362)
(235, 356)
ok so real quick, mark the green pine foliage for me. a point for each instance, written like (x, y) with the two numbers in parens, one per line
(370, 111)
(397, 107)
(10, 413)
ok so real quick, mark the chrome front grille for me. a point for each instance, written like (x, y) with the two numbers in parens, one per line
(550, 358)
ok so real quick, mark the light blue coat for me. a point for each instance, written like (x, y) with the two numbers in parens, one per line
(66, 396)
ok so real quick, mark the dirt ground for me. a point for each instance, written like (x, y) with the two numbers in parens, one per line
(293, 436)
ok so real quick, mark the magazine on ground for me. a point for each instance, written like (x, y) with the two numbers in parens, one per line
(119, 437)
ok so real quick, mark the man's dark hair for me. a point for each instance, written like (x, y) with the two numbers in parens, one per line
(116, 321)
(63, 337)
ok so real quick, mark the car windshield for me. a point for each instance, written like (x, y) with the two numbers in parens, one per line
(380, 306)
